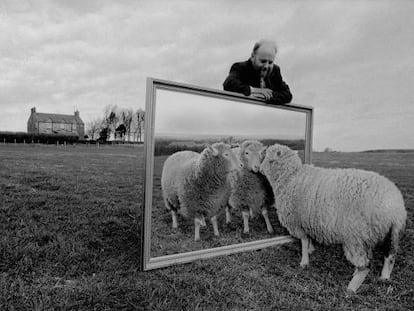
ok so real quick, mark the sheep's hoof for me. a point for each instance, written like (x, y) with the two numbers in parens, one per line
(304, 265)
(349, 293)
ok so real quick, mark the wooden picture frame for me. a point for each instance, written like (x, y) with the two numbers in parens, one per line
(181, 108)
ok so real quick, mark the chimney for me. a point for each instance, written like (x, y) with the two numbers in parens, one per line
(77, 113)
(33, 110)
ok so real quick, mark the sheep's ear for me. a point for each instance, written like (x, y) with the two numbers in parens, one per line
(213, 150)
(296, 151)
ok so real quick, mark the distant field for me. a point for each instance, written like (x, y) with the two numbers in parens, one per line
(70, 241)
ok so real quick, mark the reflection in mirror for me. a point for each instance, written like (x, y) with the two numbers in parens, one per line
(190, 122)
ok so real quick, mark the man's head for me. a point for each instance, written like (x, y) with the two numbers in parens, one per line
(263, 56)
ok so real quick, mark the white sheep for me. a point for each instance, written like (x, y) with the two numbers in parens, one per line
(352, 207)
(196, 184)
(250, 191)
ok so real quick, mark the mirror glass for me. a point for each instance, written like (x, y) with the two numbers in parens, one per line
(185, 120)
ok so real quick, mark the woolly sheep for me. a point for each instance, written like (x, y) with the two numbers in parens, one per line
(250, 191)
(352, 207)
(196, 185)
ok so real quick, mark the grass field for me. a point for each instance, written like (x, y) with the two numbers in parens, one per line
(70, 241)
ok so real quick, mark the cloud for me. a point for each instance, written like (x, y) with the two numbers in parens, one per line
(351, 62)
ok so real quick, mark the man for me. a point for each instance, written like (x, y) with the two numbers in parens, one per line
(259, 77)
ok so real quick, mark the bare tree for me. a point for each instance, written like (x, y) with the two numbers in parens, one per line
(126, 116)
(111, 119)
(140, 119)
(118, 122)
(93, 128)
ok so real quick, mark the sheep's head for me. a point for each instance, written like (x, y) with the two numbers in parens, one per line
(224, 152)
(251, 154)
(278, 160)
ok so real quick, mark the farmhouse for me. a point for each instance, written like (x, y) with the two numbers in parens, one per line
(58, 124)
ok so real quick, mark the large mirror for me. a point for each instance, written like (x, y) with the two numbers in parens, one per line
(188, 118)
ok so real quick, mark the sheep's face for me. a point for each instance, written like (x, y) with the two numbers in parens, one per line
(277, 159)
(251, 155)
(231, 160)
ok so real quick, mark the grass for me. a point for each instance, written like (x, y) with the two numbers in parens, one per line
(70, 241)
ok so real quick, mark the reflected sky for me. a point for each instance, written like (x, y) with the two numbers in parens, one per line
(183, 114)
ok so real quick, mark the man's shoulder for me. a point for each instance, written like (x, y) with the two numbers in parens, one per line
(241, 65)
(275, 71)
(276, 68)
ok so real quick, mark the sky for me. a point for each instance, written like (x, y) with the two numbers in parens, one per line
(190, 115)
(352, 61)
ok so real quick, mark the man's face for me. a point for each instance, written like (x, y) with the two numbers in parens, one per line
(263, 59)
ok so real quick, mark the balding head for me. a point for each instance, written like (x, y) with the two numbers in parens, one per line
(263, 56)
(265, 44)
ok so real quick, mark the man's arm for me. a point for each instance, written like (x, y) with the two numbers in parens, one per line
(281, 96)
(233, 82)
(281, 91)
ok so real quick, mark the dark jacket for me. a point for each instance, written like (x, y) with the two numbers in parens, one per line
(242, 75)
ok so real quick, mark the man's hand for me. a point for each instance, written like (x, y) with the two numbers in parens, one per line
(261, 93)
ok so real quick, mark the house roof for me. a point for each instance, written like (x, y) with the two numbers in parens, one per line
(56, 118)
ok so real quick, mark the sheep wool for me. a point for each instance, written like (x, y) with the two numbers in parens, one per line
(352, 207)
(251, 192)
(196, 185)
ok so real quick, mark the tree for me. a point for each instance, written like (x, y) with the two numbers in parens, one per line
(126, 116)
(93, 128)
(120, 131)
(140, 118)
(119, 123)
(111, 119)
(104, 134)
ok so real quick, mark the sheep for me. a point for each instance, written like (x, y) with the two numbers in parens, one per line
(355, 208)
(250, 190)
(196, 184)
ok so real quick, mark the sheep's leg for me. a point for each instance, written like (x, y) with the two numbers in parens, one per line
(388, 266)
(390, 259)
(357, 279)
(246, 216)
(174, 219)
(228, 215)
(198, 222)
(359, 256)
(215, 226)
(251, 212)
(266, 218)
(305, 252)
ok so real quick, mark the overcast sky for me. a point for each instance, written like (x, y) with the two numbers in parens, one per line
(184, 115)
(351, 60)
